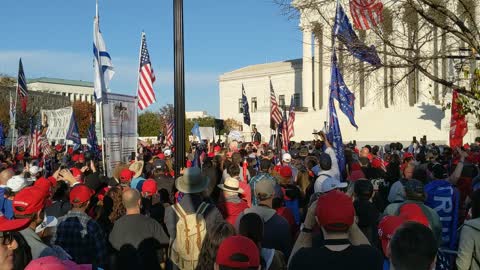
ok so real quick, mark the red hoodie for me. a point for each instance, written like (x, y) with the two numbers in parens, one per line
(231, 209)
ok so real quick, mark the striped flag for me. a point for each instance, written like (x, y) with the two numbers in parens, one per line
(275, 114)
(170, 130)
(22, 90)
(146, 78)
(45, 146)
(285, 138)
(102, 61)
(36, 144)
(22, 142)
(291, 119)
(366, 13)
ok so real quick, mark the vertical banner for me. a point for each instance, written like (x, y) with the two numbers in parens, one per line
(58, 122)
(120, 129)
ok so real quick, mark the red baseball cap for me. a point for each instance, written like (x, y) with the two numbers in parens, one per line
(150, 186)
(75, 157)
(31, 199)
(238, 245)
(217, 149)
(59, 147)
(335, 211)
(161, 156)
(53, 263)
(80, 194)
(413, 212)
(407, 155)
(76, 173)
(81, 158)
(386, 228)
(126, 175)
(7, 225)
(286, 172)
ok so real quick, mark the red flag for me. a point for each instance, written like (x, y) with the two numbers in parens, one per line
(458, 123)
(366, 13)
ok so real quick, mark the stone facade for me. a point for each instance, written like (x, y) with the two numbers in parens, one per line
(382, 114)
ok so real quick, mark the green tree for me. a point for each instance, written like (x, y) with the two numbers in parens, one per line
(148, 124)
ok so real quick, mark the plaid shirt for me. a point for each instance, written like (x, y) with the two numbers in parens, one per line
(261, 176)
(82, 238)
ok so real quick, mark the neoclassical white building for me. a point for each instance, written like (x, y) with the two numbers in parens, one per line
(75, 90)
(382, 115)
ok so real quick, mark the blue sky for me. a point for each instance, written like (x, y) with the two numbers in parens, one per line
(54, 39)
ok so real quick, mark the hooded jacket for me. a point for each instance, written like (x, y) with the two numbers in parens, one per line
(231, 207)
(468, 257)
(274, 225)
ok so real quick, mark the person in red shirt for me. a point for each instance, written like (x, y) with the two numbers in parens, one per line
(230, 204)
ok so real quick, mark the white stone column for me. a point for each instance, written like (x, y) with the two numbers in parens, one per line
(318, 79)
(307, 71)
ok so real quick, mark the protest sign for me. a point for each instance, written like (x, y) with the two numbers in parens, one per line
(120, 129)
(58, 122)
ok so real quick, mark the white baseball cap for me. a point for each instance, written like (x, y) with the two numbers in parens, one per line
(287, 157)
(17, 183)
(330, 184)
(48, 222)
(168, 152)
(34, 170)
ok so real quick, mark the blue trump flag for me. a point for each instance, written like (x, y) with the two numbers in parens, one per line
(2, 136)
(335, 137)
(340, 92)
(342, 29)
(246, 113)
(73, 133)
(92, 140)
(196, 131)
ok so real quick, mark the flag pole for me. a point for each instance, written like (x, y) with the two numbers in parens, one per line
(100, 107)
(138, 77)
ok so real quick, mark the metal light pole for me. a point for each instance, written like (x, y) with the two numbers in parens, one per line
(179, 85)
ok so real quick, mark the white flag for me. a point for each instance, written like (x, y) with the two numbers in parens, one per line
(102, 63)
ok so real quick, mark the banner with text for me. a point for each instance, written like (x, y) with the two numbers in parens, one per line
(58, 122)
(120, 129)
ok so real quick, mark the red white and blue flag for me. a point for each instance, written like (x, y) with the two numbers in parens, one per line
(146, 78)
(366, 13)
(22, 90)
(170, 130)
(291, 119)
(275, 114)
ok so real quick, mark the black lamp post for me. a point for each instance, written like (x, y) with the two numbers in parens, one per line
(179, 85)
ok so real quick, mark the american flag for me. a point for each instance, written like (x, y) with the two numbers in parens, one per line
(275, 113)
(146, 78)
(36, 144)
(170, 128)
(22, 142)
(285, 138)
(291, 119)
(22, 90)
(366, 13)
(45, 146)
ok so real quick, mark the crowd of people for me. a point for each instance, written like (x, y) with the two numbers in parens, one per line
(245, 206)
